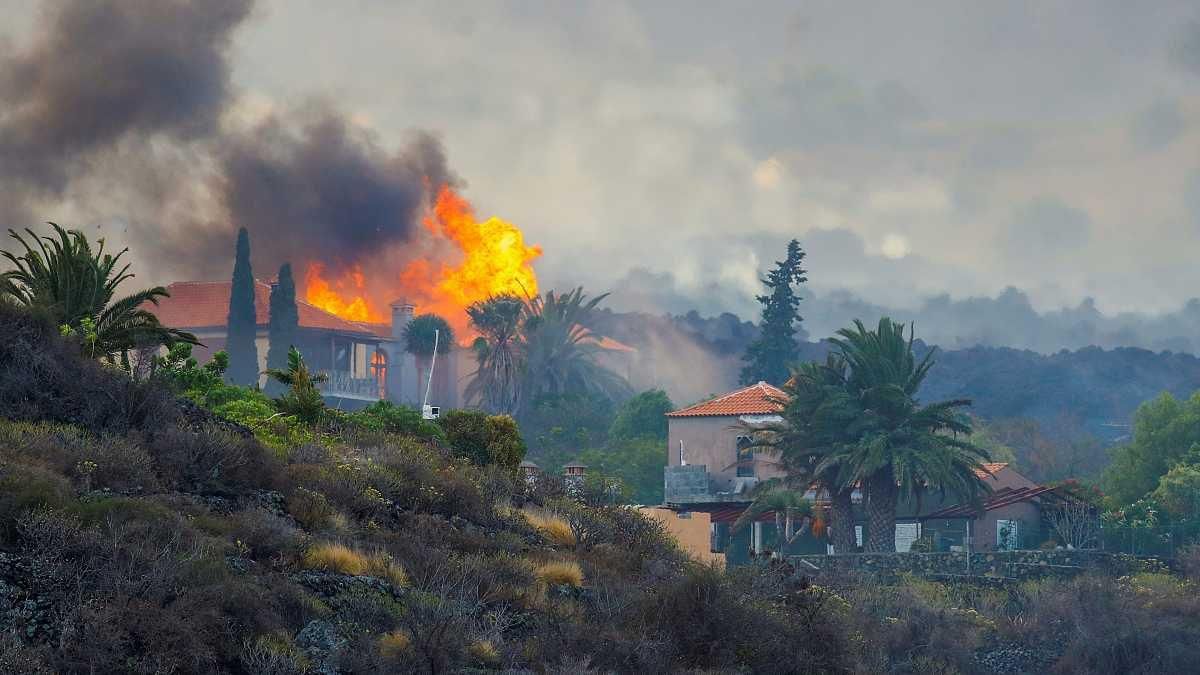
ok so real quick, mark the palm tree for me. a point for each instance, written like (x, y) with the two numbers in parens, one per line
(560, 347)
(498, 351)
(64, 277)
(819, 420)
(903, 448)
(421, 335)
(788, 506)
(303, 398)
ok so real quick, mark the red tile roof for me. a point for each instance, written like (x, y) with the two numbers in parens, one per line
(998, 499)
(990, 469)
(757, 399)
(205, 304)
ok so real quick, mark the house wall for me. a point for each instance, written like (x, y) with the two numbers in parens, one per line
(712, 441)
(1029, 531)
(692, 529)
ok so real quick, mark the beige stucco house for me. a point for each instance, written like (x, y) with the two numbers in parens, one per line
(710, 434)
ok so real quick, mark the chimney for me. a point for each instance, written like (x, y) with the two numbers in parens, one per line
(402, 313)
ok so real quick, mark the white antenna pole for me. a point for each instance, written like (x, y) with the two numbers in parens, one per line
(432, 363)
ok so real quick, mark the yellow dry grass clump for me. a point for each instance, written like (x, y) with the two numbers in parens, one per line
(345, 560)
(484, 652)
(335, 558)
(561, 573)
(392, 645)
(554, 529)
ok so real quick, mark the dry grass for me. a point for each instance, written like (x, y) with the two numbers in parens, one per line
(335, 558)
(554, 529)
(345, 560)
(561, 573)
(381, 565)
(484, 652)
(393, 644)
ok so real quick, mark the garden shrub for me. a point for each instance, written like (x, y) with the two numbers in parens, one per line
(484, 439)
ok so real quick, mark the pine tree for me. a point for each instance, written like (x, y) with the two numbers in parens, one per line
(284, 323)
(243, 353)
(776, 348)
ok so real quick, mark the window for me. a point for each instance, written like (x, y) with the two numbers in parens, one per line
(379, 365)
(745, 457)
(341, 356)
(719, 536)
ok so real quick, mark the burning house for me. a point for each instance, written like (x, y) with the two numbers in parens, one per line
(365, 361)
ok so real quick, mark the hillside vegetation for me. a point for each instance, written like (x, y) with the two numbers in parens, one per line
(145, 533)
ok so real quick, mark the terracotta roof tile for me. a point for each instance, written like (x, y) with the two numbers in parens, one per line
(205, 304)
(990, 469)
(757, 399)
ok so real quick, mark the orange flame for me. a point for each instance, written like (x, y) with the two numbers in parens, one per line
(495, 260)
(347, 301)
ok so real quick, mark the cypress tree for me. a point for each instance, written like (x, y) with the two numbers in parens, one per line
(284, 325)
(243, 353)
(776, 348)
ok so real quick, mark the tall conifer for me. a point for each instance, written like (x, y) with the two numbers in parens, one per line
(243, 353)
(776, 348)
(285, 322)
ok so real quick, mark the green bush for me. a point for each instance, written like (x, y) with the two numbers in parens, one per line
(484, 439)
(388, 417)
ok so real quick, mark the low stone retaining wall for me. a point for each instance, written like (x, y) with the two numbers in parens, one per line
(1008, 565)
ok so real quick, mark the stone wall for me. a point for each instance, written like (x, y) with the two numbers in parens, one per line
(998, 565)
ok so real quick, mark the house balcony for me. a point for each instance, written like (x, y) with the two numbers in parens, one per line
(691, 484)
(342, 384)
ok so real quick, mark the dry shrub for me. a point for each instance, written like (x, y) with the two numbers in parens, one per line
(16, 657)
(561, 573)
(213, 461)
(503, 578)
(28, 488)
(484, 653)
(382, 565)
(310, 508)
(275, 654)
(264, 534)
(553, 528)
(913, 624)
(44, 377)
(113, 462)
(335, 558)
(1188, 559)
(393, 645)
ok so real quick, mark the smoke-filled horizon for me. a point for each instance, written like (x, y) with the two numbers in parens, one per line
(924, 156)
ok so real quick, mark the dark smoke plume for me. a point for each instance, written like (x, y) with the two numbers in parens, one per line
(328, 188)
(100, 70)
(122, 105)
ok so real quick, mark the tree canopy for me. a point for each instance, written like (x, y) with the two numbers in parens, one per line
(1166, 432)
(284, 323)
(76, 286)
(243, 322)
(776, 349)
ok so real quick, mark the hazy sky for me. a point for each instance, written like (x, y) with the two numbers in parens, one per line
(913, 148)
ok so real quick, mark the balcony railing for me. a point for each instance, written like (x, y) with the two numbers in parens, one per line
(343, 385)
